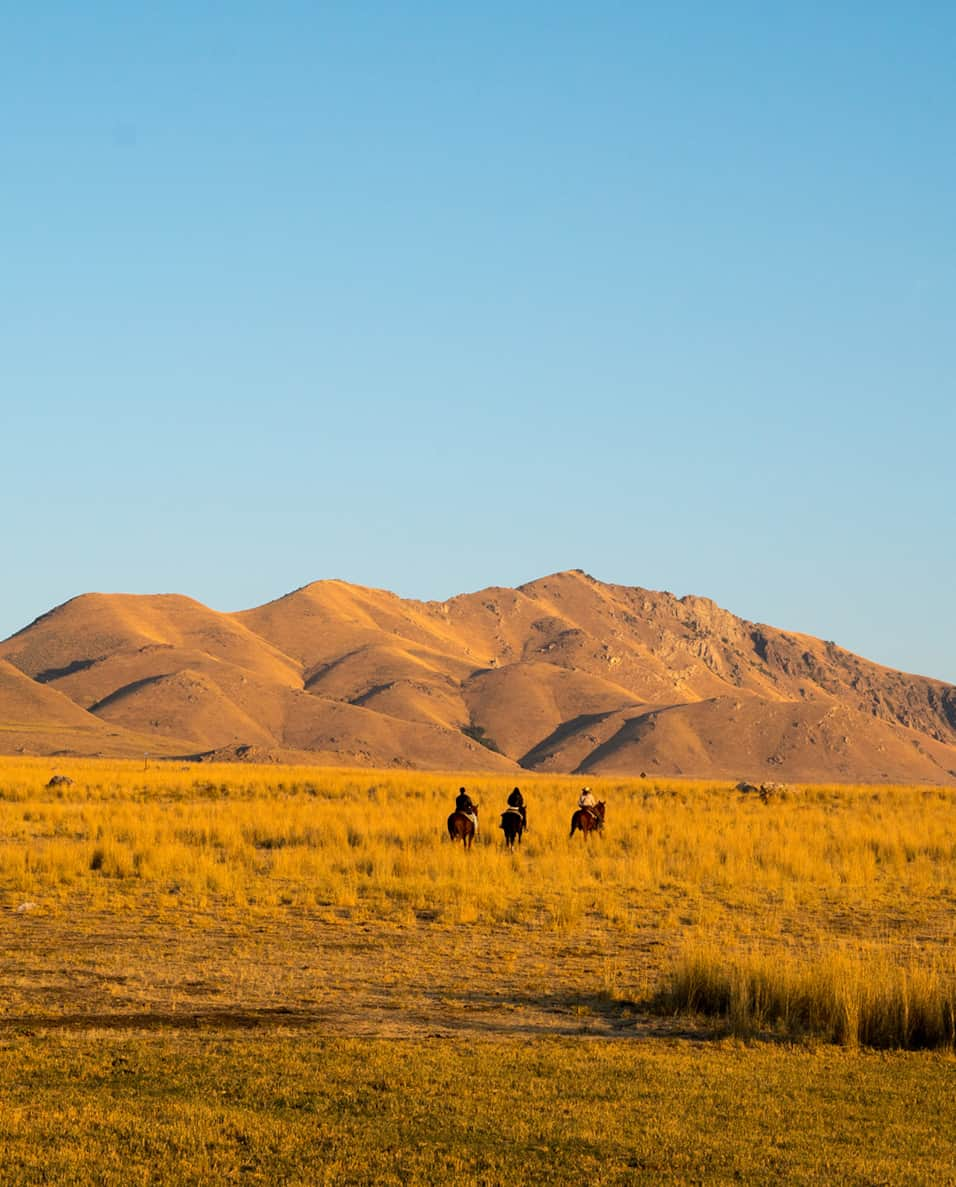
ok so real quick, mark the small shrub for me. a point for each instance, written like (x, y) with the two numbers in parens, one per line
(477, 734)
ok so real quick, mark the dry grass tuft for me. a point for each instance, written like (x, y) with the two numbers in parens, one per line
(853, 999)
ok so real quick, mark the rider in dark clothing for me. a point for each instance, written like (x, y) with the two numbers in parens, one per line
(516, 800)
(464, 803)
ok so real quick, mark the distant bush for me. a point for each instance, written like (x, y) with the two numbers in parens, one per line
(477, 734)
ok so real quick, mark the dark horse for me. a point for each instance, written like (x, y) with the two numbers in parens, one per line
(586, 821)
(462, 828)
(512, 822)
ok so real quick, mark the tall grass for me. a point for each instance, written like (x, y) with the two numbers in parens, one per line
(814, 864)
(853, 999)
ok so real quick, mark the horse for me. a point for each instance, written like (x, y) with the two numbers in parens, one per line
(461, 827)
(586, 821)
(512, 822)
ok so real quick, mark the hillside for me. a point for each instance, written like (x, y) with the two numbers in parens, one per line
(564, 674)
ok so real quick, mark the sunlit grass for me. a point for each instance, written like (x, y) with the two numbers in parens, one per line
(376, 844)
(185, 1108)
(793, 880)
(853, 998)
(158, 899)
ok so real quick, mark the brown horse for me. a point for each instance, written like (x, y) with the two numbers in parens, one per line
(512, 823)
(462, 828)
(586, 821)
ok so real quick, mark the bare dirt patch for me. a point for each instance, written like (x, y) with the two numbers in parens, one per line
(83, 971)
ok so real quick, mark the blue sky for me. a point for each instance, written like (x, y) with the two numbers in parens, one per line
(432, 297)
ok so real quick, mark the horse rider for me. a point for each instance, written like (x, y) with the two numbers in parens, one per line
(465, 804)
(516, 800)
(587, 801)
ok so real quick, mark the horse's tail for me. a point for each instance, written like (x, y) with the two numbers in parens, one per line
(574, 824)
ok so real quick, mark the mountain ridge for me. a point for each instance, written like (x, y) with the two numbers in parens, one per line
(563, 673)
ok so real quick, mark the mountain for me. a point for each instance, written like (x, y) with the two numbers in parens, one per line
(564, 674)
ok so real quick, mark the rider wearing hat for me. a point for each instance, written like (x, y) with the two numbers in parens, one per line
(587, 801)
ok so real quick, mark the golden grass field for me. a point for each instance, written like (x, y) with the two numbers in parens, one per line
(290, 975)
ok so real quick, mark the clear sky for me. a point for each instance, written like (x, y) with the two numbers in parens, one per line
(432, 296)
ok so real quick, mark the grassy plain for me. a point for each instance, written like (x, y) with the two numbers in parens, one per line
(214, 974)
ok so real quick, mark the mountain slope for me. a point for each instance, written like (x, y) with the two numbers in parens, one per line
(35, 719)
(565, 673)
